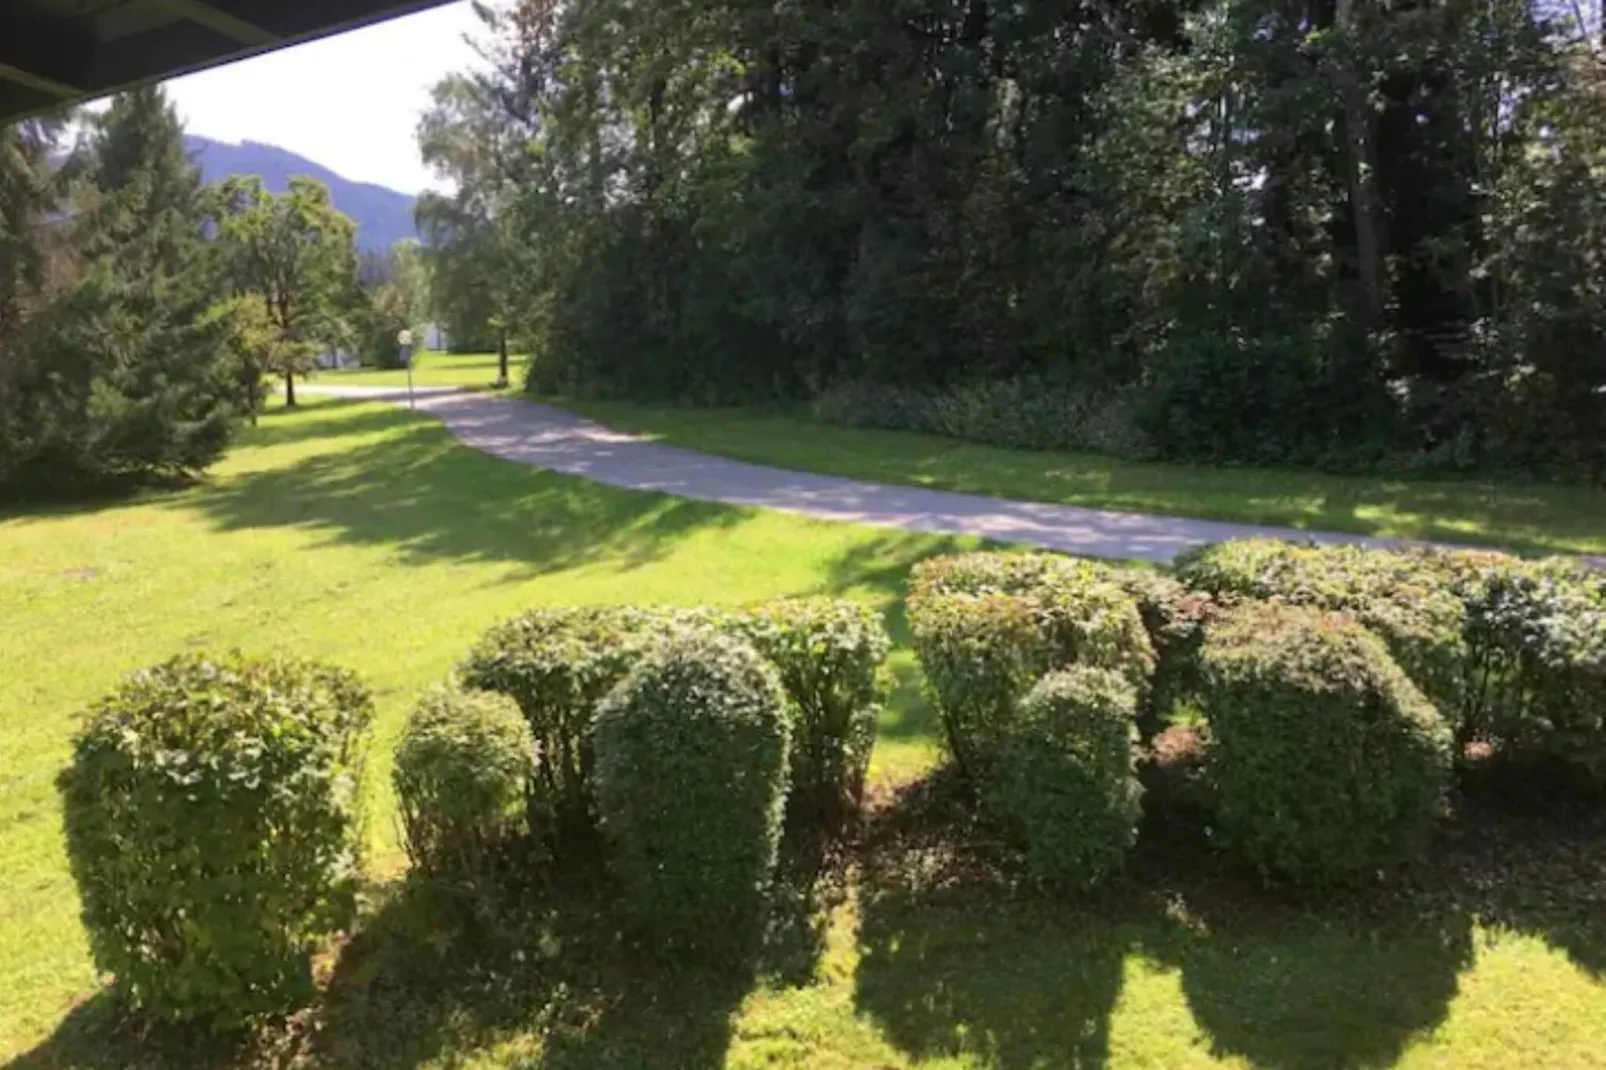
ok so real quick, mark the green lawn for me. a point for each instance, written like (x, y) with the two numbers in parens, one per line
(1528, 516)
(433, 369)
(363, 534)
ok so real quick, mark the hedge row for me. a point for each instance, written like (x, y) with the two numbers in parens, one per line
(1337, 683)
(1327, 762)
(212, 807)
(558, 664)
(1509, 650)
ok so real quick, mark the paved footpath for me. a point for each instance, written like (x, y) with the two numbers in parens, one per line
(560, 441)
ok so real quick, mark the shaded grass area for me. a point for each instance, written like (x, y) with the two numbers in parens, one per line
(923, 946)
(364, 535)
(432, 369)
(1525, 517)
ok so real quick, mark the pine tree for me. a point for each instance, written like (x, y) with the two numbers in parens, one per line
(126, 374)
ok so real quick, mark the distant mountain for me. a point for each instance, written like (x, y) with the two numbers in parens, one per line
(383, 216)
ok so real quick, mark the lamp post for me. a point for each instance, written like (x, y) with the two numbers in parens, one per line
(404, 340)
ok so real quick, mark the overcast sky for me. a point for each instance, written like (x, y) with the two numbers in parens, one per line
(349, 102)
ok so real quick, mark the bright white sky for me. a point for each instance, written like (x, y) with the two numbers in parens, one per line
(350, 102)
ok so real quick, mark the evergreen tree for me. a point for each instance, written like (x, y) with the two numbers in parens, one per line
(127, 374)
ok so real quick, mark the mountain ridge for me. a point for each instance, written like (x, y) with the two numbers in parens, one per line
(383, 216)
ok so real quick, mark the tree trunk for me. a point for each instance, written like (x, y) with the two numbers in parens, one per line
(1361, 166)
(501, 356)
(289, 390)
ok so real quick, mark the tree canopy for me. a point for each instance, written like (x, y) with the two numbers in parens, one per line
(298, 255)
(1342, 232)
(111, 364)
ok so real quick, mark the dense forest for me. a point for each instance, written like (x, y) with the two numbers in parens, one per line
(1354, 233)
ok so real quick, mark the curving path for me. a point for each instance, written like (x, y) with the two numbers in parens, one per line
(560, 441)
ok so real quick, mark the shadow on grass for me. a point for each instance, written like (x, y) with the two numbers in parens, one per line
(416, 490)
(549, 983)
(962, 957)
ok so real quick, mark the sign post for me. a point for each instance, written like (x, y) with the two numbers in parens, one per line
(404, 339)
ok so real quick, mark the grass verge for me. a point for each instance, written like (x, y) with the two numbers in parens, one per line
(1526, 517)
(432, 369)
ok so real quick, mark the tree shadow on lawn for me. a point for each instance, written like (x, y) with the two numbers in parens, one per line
(546, 980)
(961, 954)
(430, 498)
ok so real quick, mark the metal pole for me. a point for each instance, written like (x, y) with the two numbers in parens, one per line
(410, 403)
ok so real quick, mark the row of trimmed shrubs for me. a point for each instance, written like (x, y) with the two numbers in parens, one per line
(1338, 686)
(212, 806)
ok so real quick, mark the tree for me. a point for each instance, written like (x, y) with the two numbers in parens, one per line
(477, 134)
(297, 255)
(119, 370)
(1339, 232)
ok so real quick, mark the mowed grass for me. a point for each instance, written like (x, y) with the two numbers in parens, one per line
(1526, 516)
(431, 368)
(364, 535)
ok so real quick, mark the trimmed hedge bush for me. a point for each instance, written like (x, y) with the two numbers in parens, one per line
(557, 664)
(1066, 778)
(1172, 615)
(1402, 597)
(1537, 633)
(829, 653)
(982, 652)
(463, 772)
(691, 782)
(1327, 763)
(211, 813)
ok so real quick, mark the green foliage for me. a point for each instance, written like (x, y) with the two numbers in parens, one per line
(297, 255)
(1402, 597)
(464, 766)
(1171, 614)
(557, 664)
(691, 783)
(1066, 777)
(982, 651)
(1025, 413)
(1347, 237)
(829, 654)
(1175, 616)
(112, 368)
(1327, 763)
(211, 811)
(1538, 636)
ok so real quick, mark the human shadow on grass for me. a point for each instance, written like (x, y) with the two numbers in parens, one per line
(962, 955)
(958, 961)
(416, 491)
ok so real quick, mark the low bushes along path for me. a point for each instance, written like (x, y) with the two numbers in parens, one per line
(560, 441)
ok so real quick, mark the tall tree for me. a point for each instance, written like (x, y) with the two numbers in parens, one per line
(297, 255)
(128, 372)
(478, 134)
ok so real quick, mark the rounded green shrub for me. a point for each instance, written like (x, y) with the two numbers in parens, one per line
(691, 782)
(1404, 597)
(211, 812)
(1172, 614)
(1066, 779)
(1537, 632)
(557, 664)
(829, 653)
(1327, 763)
(464, 766)
(982, 652)
(987, 572)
